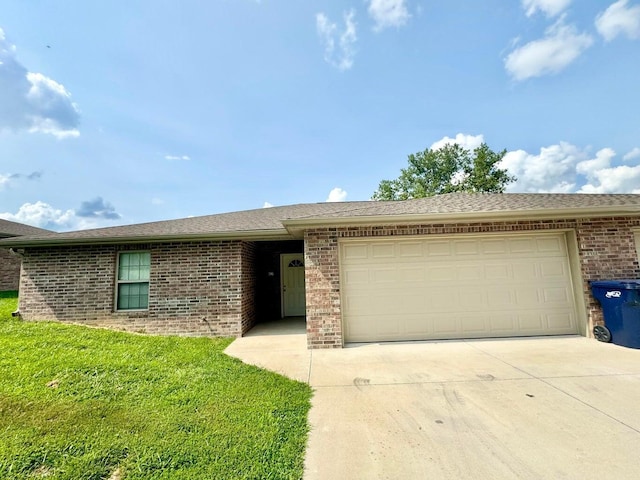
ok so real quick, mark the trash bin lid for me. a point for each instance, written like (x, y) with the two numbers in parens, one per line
(626, 284)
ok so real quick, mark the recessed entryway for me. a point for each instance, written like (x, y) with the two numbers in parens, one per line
(293, 292)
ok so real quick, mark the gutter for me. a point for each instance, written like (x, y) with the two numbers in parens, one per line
(60, 240)
(297, 226)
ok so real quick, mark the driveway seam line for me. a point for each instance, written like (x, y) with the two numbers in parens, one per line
(443, 382)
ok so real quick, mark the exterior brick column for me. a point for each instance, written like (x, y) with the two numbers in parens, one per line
(322, 283)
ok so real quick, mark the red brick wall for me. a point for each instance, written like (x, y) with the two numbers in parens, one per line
(322, 285)
(606, 251)
(9, 270)
(199, 288)
(248, 287)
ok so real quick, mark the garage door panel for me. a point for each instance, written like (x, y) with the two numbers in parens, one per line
(497, 272)
(438, 249)
(559, 322)
(383, 250)
(441, 273)
(524, 271)
(356, 276)
(551, 245)
(469, 247)
(503, 323)
(553, 269)
(383, 275)
(494, 247)
(355, 251)
(469, 273)
(415, 325)
(530, 322)
(522, 245)
(500, 298)
(472, 325)
(443, 326)
(412, 275)
(456, 287)
(557, 295)
(411, 250)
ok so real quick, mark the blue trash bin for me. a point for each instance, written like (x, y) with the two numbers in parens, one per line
(620, 300)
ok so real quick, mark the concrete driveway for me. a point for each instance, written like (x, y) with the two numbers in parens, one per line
(535, 408)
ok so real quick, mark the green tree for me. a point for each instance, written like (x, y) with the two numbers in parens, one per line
(451, 168)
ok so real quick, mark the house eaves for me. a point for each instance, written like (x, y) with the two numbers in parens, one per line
(251, 235)
(296, 227)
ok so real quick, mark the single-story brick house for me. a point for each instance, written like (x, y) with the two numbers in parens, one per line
(450, 266)
(9, 263)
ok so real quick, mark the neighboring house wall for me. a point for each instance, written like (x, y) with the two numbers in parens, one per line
(9, 270)
(606, 250)
(199, 288)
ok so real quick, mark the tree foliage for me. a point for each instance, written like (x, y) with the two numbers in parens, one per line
(449, 169)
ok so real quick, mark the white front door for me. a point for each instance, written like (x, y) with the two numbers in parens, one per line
(292, 275)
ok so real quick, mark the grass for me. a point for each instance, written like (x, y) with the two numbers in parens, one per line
(83, 403)
(8, 303)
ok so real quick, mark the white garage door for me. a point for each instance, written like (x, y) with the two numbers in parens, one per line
(456, 287)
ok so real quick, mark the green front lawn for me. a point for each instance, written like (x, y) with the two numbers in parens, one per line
(83, 403)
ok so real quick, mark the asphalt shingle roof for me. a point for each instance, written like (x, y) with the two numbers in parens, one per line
(14, 229)
(492, 202)
(271, 222)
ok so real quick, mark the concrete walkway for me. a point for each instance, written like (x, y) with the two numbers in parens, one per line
(536, 408)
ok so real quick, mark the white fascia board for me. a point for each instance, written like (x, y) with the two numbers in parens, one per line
(250, 235)
(296, 225)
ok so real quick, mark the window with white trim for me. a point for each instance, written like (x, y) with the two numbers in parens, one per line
(132, 289)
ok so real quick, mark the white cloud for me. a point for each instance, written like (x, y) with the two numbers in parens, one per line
(4, 180)
(565, 168)
(604, 178)
(31, 101)
(337, 195)
(267, 205)
(388, 13)
(551, 8)
(177, 157)
(561, 45)
(41, 214)
(553, 170)
(619, 19)
(634, 153)
(342, 57)
(469, 142)
(157, 201)
(602, 160)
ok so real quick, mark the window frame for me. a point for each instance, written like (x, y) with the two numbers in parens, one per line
(119, 282)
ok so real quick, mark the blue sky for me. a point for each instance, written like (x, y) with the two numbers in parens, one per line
(125, 112)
